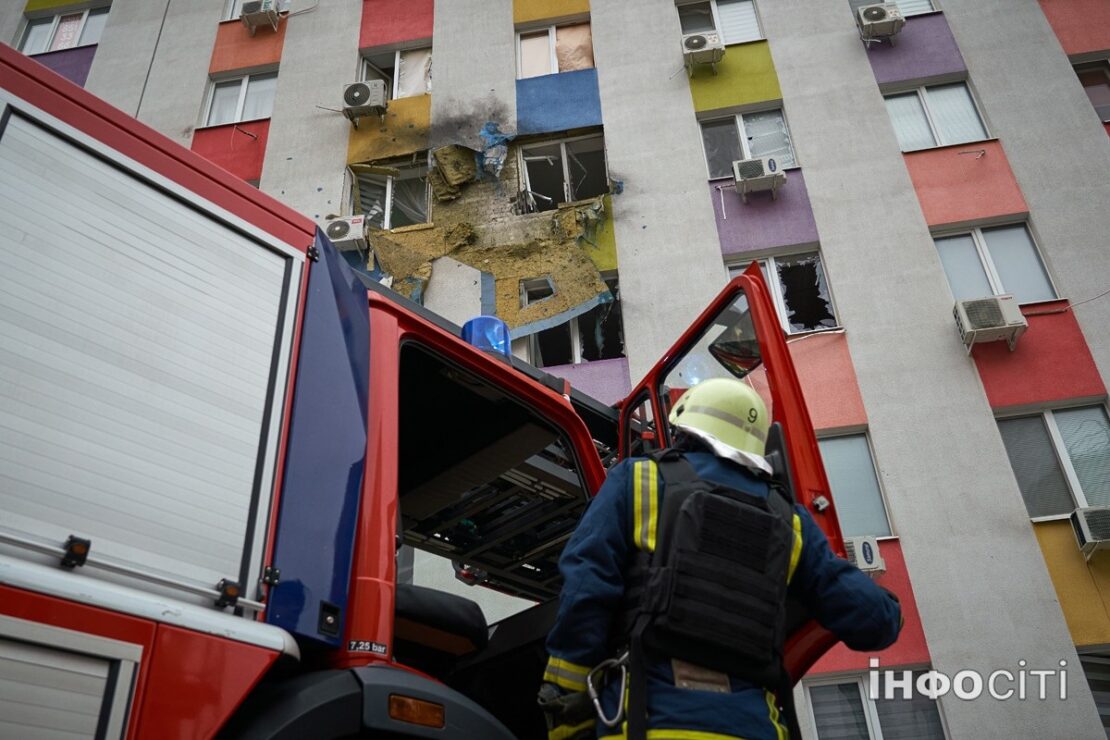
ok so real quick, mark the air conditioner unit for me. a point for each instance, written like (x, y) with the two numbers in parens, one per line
(1092, 529)
(881, 21)
(364, 99)
(257, 13)
(989, 320)
(348, 234)
(863, 552)
(705, 47)
(756, 175)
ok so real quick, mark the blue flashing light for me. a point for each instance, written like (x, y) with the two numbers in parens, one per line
(488, 333)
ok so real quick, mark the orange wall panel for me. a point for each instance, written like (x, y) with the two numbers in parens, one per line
(828, 380)
(237, 147)
(910, 649)
(236, 49)
(954, 187)
(1050, 363)
(1081, 25)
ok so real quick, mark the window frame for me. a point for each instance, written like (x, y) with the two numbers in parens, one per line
(1060, 451)
(870, 706)
(775, 287)
(365, 65)
(244, 83)
(421, 161)
(922, 98)
(987, 262)
(562, 142)
(717, 21)
(532, 352)
(742, 134)
(552, 50)
(862, 431)
(54, 21)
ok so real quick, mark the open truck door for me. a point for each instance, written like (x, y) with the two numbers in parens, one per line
(739, 336)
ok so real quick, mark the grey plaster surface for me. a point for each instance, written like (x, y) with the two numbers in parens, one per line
(981, 585)
(473, 70)
(11, 22)
(1055, 144)
(306, 153)
(454, 291)
(668, 253)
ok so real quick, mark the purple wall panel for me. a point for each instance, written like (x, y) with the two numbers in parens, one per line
(73, 64)
(605, 380)
(763, 223)
(925, 48)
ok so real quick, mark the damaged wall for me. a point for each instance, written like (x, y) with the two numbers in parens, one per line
(403, 131)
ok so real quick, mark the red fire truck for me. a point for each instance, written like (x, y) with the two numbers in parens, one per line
(215, 436)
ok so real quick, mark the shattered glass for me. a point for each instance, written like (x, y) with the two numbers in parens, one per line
(722, 146)
(805, 292)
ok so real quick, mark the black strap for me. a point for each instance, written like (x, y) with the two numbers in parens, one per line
(789, 712)
(673, 467)
(637, 681)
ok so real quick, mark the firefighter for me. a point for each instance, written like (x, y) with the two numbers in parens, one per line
(697, 599)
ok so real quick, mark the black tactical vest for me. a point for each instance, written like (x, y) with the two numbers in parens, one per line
(713, 593)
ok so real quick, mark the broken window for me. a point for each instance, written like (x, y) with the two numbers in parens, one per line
(564, 172)
(594, 335)
(761, 134)
(799, 290)
(406, 73)
(555, 49)
(391, 196)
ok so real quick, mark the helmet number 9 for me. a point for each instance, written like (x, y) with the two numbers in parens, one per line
(752, 415)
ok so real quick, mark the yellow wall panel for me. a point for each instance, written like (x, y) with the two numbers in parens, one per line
(525, 11)
(1083, 588)
(404, 131)
(35, 5)
(745, 75)
(603, 251)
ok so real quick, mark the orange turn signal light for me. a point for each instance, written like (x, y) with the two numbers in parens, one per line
(416, 711)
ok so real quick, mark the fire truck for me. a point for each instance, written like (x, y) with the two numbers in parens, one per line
(215, 436)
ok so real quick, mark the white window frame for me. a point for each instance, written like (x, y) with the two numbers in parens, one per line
(870, 708)
(365, 66)
(866, 434)
(1060, 450)
(356, 208)
(770, 270)
(553, 57)
(717, 21)
(58, 15)
(922, 97)
(742, 133)
(532, 350)
(987, 263)
(244, 81)
(523, 164)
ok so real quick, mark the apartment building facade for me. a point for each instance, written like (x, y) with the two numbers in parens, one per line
(559, 164)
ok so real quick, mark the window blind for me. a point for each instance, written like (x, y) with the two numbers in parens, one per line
(260, 97)
(738, 21)
(838, 712)
(910, 125)
(1035, 466)
(1097, 669)
(913, 7)
(962, 266)
(954, 114)
(915, 718)
(1018, 266)
(855, 488)
(722, 146)
(1086, 434)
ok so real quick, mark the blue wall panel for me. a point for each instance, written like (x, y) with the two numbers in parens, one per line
(557, 102)
(326, 454)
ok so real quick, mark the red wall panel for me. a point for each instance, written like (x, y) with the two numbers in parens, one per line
(1081, 25)
(237, 147)
(235, 48)
(954, 186)
(910, 648)
(390, 22)
(1050, 363)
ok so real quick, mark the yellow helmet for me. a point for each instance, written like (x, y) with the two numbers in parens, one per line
(727, 411)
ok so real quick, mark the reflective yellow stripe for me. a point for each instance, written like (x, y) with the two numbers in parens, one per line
(565, 674)
(796, 551)
(663, 733)
(564, 731)
(645, 504)
(780, 731)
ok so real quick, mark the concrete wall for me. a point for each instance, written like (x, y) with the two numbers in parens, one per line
(307, 149)
(667, 246)
(454, 290)
(157, 73)
(11, 23)
(474, 58)
(981, 584)
(1010, 49)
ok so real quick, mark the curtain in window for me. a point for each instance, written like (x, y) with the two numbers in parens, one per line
(722, 146)
(371, 198)
(954, 114)
(910, 125)
(696, 18)
(535, 54)
(1097, 669)
(768, 137)
(410, 202)
(65, 35)
(805, 293)
(574, 47)
(94, 26)
(414, 75)
(915, 718)
(738, 21)
(855, 489)
(1035, 466)
(963, 267)
(838, 712)
(225, 101)
(912, 7)
(1018, 266)
(1086, 433)
(260, 97)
